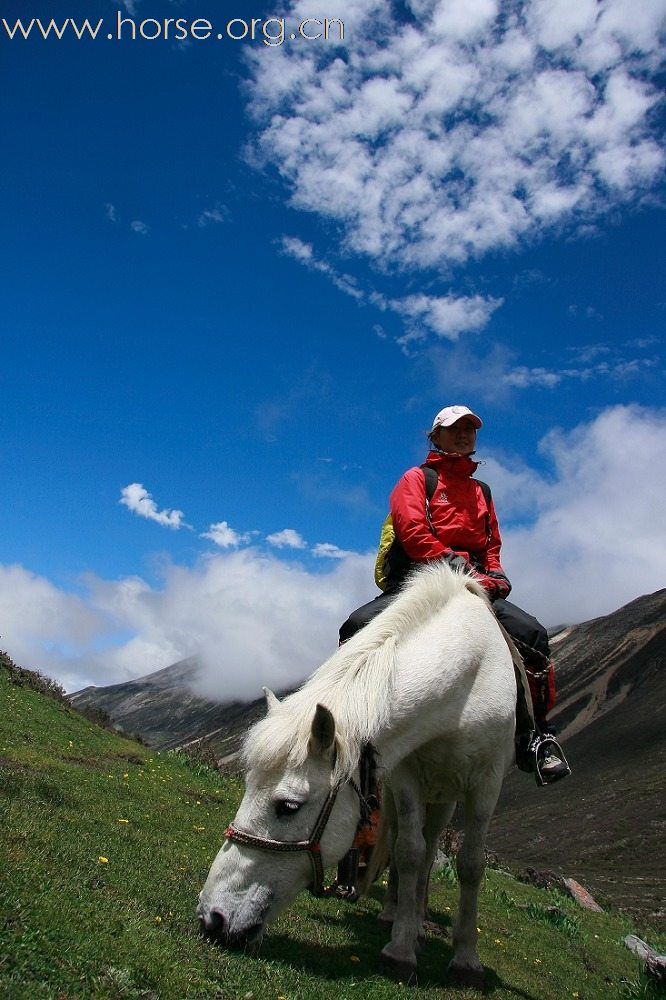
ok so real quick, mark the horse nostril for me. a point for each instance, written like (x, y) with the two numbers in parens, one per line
(217, 923)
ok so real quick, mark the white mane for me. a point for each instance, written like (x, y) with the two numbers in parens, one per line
(356, 683)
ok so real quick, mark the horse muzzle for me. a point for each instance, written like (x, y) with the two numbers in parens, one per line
(215, 925)
(236, 923)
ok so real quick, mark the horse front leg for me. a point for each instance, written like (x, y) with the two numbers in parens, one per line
(398, 957)
(465, 966)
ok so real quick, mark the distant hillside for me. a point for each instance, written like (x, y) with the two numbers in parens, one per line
(162, 707)
(609, 817)
(605, 662)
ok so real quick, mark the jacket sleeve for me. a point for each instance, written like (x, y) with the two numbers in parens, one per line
(408, 513)
(493, 564)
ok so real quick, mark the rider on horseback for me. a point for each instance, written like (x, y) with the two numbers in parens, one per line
(454, 519)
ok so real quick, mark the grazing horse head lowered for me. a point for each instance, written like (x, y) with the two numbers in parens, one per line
(430, 684)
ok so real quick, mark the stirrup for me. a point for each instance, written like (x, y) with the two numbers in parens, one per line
(531, 754)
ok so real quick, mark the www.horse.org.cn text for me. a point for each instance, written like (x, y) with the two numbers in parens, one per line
(270, 31)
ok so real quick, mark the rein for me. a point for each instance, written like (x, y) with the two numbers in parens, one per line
(313, 844)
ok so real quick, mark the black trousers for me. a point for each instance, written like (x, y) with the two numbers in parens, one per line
(517, 622)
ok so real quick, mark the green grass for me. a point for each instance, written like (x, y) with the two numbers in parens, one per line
(74, 925)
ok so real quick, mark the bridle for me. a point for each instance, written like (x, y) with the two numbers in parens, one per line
(313, 844)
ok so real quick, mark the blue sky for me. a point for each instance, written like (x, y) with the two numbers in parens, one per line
(246, 276)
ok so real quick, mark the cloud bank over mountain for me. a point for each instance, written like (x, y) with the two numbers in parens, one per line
(577, 543)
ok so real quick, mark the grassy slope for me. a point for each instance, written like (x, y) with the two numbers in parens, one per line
(73, 925)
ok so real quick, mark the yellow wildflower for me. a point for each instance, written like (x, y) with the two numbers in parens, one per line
(103, 861)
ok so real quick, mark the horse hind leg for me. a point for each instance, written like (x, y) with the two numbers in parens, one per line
(465, 966)
(387, 915)
(438, 814)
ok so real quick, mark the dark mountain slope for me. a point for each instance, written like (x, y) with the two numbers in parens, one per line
(160, 707)
(608, 820)
(601, 663)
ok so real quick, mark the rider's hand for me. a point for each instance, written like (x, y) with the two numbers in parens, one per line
(495, 583)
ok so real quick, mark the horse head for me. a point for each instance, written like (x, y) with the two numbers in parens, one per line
(293, 821)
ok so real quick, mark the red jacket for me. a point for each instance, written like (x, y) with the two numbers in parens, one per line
(462, 521)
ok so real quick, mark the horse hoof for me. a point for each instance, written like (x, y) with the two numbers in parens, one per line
(471, 978)
(395, 968)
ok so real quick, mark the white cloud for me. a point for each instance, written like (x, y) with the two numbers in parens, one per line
(304, 253)
(326, 550)
(139, 227)
(294, 247)
(592, 544)
(494, 374)
(111, 212)
(224, 536)
(522, 376)
(251, 618)
(212, 216)
(518, 491)
(137, 498)
(448, 316)
(288, 538)
(44, 627)
(469, 128)
(445, 315)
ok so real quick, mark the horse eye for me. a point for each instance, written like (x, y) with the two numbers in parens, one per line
(287, 807)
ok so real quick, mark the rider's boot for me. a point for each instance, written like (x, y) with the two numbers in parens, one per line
(537, 750)
(540, 754)
(346, 881)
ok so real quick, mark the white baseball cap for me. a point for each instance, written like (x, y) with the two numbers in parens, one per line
(450, 414)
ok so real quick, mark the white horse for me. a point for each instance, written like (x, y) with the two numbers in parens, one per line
(430, 684)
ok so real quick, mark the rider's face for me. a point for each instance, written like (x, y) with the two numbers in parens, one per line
(459, 437)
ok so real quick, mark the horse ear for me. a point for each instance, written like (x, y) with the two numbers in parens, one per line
(323, 730)
(271, 700)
